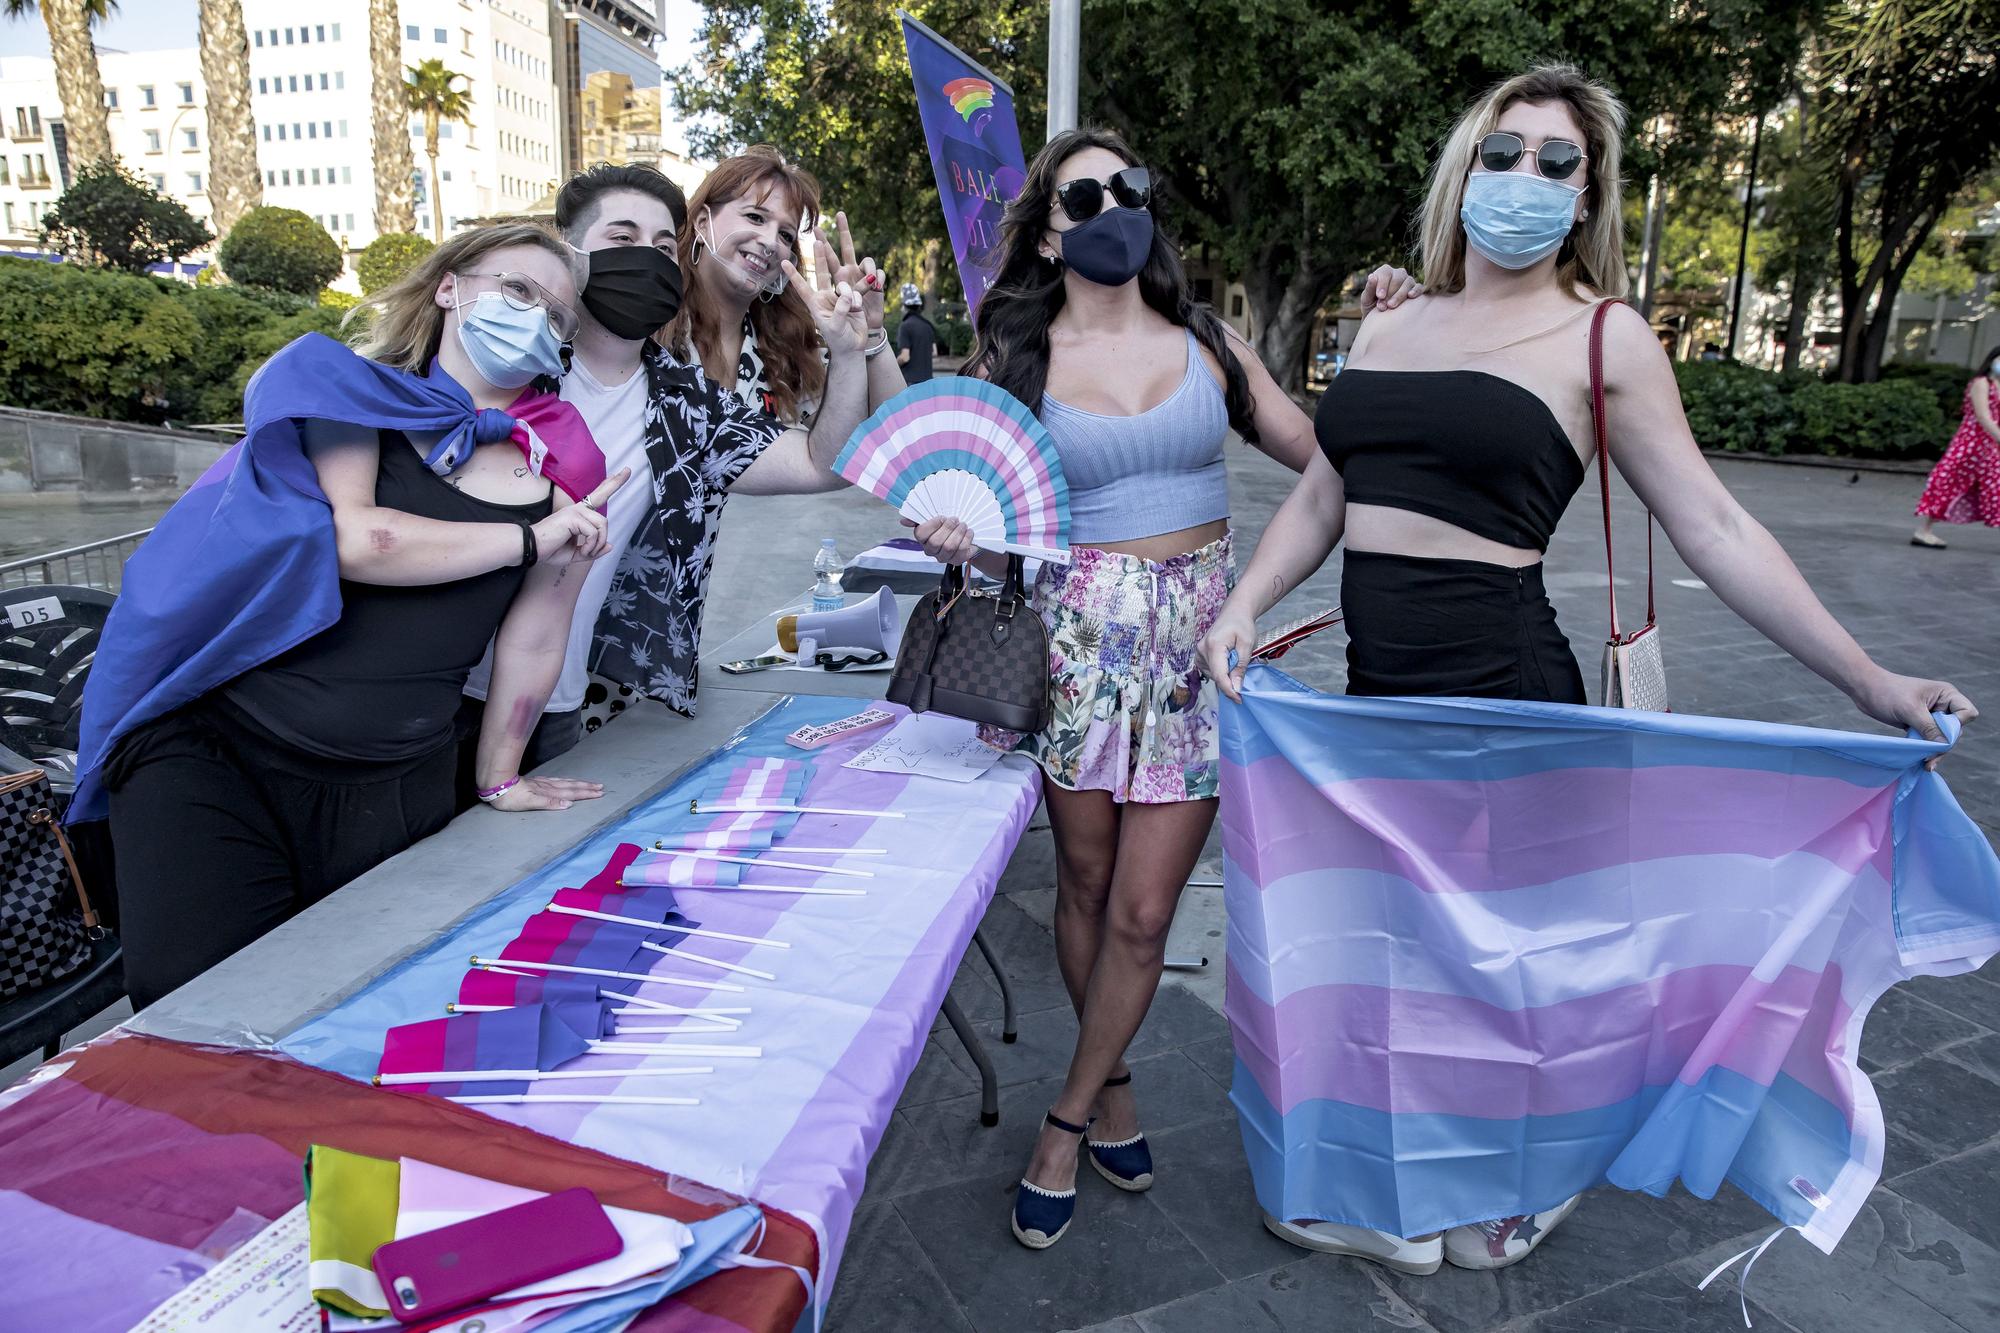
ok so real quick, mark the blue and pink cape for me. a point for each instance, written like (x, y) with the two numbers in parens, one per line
(244, 565)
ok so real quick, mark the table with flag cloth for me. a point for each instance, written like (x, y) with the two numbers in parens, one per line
(1484, 954)
(841, 1024)
(841, 1027)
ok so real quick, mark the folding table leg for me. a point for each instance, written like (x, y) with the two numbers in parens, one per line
(989, 1085)
(1007, 1032)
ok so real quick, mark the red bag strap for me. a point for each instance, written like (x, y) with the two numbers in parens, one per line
(1597, 319)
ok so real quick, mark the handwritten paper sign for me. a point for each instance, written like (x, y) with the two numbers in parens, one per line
(929, 745)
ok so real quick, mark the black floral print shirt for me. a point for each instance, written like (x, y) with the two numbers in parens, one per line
(700, 437)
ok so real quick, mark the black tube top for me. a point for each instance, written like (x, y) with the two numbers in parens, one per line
(1471, 448)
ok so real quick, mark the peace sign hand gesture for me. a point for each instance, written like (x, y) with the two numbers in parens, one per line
(835, 306)
(864, 276)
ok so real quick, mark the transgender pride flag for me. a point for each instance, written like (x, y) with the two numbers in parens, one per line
(1484, 955)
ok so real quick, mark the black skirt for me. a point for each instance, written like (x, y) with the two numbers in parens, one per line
(1461, 628)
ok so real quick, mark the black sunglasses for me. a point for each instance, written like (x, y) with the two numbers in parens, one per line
(1556, 159)
(1082, 199)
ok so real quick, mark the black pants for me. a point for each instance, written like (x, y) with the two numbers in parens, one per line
(222, 833)
(1460, 628)
(556, 734)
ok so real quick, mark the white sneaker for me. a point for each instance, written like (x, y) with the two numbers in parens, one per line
(1504, 1240)
(1421, 1256)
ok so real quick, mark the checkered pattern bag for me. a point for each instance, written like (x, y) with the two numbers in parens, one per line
(46, 923)
(977, 654)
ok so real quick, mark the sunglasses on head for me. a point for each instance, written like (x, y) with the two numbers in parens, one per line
(1081, 200)
(1557, 159)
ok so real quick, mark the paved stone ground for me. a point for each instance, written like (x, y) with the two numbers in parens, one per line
(931, 1253)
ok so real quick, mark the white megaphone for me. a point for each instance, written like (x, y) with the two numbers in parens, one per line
(871, 626)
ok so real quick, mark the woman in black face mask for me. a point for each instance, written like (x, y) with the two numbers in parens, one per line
(1092, 325)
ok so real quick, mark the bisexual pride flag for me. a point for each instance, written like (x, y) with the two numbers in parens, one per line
(527, 1039)
(1486, 954)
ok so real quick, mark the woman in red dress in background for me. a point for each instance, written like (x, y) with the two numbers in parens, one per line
(1964, 487)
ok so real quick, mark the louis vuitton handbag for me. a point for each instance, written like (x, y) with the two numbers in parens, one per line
(976, 653)
(1635, 670)
(46, 921)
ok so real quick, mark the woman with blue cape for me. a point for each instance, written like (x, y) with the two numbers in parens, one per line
(270, 713)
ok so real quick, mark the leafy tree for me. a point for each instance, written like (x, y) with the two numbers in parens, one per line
(1290, 137)
(388, 258)
(1908, 88)
(280, 248)
(95, 342)
(109, 216)
(433, 94)
(830, 87)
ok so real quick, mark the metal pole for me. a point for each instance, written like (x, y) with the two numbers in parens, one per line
(1649, 246)
(1743, 240)
(1065, 40)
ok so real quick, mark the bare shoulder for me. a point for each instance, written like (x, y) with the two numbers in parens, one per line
(1387, 330)
(1631, 348)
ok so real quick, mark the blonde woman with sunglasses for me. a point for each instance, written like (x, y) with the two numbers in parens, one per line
(1451, 444)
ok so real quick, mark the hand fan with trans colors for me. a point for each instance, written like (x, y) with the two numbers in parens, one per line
(960, 448)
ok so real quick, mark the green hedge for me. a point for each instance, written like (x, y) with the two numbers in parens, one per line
(94, 342)
(1746, 410)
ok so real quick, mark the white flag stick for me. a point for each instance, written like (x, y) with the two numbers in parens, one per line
(668, 925)
(665, 1011)
(699, 807)
(672, 952)
(529, 1075)
(642, 1004)
(811, 890)
(662, 845)
(765, 861)
(641, 977)
(605, 1099)
(683, 1030)
(675, 1048)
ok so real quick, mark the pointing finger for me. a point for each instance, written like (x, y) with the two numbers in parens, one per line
(846, 237)
(607, 488)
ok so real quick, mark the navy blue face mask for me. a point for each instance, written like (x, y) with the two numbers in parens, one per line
(1110, 248)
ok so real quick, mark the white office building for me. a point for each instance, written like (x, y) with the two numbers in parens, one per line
(309, 92)
(154, 104)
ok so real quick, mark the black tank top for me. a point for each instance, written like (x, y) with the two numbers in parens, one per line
(382, 683)
(1472, 449)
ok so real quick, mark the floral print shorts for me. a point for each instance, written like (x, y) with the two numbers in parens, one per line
(1131, 712)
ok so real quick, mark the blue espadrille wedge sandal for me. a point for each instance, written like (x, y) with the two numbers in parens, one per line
(1042, 1216)
(1128, 1163)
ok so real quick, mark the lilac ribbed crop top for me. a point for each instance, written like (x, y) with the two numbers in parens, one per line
(1140, 476)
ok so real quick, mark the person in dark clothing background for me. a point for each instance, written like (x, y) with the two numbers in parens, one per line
(917, 338)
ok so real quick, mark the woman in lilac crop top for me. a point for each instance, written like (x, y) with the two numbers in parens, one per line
(1092, 325)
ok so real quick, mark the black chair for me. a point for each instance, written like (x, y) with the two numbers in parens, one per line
(48, 640)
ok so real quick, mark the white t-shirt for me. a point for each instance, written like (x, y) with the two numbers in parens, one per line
(616, 417)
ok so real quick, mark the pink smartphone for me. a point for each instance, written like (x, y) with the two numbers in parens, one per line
(439, 1271)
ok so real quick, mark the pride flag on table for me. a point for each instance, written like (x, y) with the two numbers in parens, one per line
(527, 1038)
(1484, 955)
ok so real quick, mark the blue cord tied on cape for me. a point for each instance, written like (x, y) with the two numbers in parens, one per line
(245, 565)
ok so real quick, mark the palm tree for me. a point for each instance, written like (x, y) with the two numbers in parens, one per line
(432, 94)
(78, 83)
(395, 194)
(234, 184)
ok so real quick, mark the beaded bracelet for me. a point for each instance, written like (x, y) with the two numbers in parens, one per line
(495, 793)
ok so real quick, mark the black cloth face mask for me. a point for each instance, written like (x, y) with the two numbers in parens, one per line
(1110, 248)
(634, 290)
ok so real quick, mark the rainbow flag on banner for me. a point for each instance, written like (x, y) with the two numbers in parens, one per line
(1484, 955)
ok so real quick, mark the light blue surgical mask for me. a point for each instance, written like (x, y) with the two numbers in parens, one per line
(508, 346)
(1516, 219)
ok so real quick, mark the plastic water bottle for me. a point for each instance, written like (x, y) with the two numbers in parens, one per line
(826, 577)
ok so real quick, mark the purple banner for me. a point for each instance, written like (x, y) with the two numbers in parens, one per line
(975, 150)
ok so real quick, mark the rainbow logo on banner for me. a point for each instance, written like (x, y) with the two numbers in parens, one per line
(968, 96)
